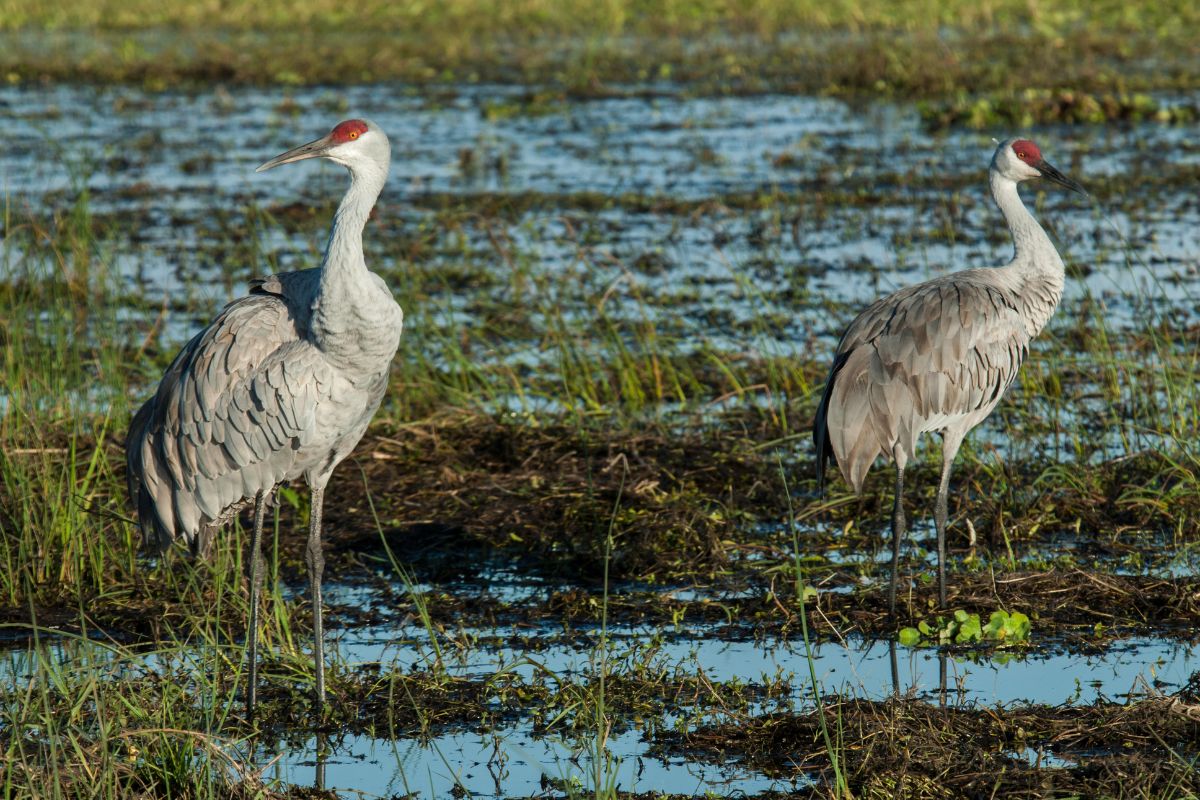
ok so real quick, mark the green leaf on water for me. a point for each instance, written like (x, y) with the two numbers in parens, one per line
(966, 628)
(996, 623)
(969, 629)
(1018, 626)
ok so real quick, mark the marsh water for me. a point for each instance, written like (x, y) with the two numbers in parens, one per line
(855, 200)
(741, 224)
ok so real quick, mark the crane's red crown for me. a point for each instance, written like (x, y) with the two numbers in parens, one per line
(350, 130)
(1026, 150)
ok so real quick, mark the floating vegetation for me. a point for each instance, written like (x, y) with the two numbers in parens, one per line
(961, 627)
(1030, 107)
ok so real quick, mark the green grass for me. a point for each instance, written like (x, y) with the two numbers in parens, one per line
(536, 18)
(911, 48)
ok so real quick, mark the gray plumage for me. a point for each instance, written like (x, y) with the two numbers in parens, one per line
(280, 386)
(938, 356)
(249, 403)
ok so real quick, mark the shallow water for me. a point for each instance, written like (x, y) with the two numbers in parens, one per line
(1047, 672)
(1125, 671)
(854, 201)
(175, 157)
(514, 760)
(504, 763)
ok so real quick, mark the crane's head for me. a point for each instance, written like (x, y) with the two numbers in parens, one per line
(355, 143)
(1021, 160)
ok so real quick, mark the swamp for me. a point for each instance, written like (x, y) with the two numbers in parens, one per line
(581, 550)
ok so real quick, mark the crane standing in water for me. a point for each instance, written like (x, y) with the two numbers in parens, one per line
(280, 386)
(938, 356)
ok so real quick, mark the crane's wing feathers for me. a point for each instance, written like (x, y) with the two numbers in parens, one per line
(229, 416)
(929, 357)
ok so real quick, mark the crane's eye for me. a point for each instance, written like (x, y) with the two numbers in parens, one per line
(354, 135)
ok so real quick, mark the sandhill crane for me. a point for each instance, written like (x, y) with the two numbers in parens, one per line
(937, 357)
(280, 386)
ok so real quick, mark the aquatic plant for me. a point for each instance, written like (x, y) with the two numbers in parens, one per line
(961, 627)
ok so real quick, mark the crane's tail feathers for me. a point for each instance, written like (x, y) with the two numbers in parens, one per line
(821, 425)
(821, 438)
(156, 536)
(135, 470)
(849, 429)
(133, 455)
(862, 430)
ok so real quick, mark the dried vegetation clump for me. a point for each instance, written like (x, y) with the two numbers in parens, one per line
(909, 748)
(671, 501)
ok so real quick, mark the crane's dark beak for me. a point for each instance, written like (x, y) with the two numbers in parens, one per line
(311, 150)
(1050, 172)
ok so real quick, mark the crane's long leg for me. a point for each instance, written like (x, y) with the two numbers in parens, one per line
(260, 507)
(322, 758)
(942, 678)
(316, 568)
(950, 444)
(898, 524)
(895, 667)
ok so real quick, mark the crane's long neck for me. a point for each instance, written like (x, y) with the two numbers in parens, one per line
(348, 298)
(1036, 270)
(344, 252)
